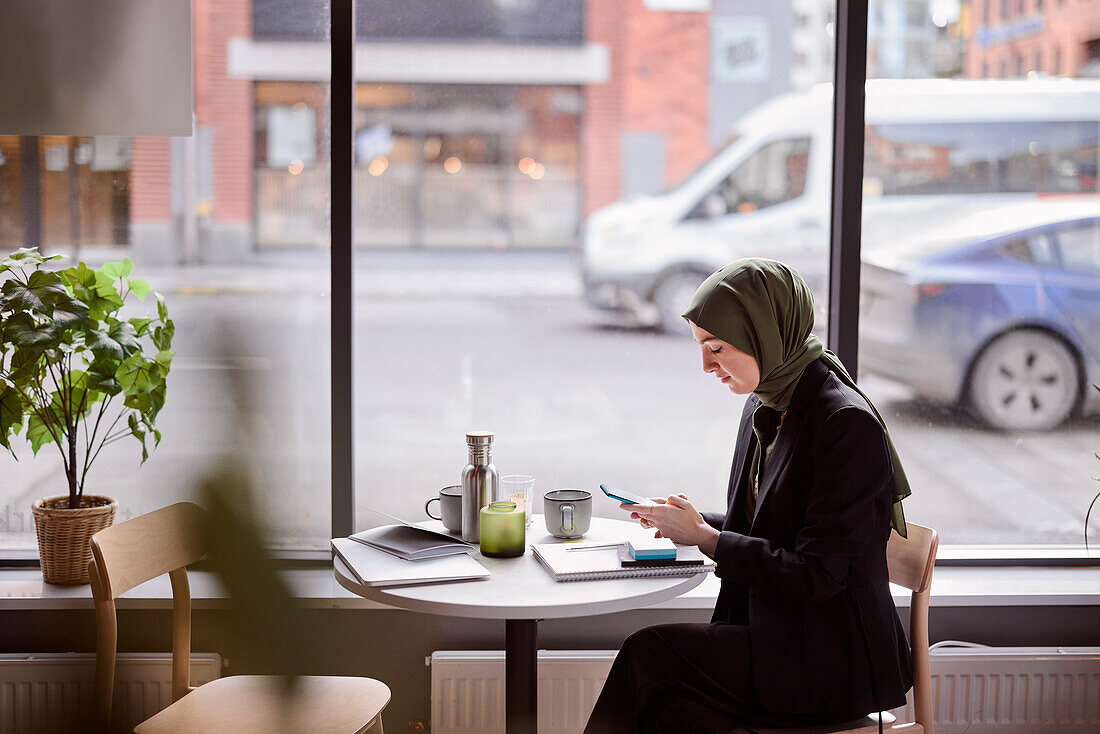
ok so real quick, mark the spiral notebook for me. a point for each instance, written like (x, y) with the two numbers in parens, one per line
(606, 563)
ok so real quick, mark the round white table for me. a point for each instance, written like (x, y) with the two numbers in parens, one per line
(521, 591)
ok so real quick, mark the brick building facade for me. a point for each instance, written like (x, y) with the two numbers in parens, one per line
(1012, 38)
(620, 83)
(658, 84)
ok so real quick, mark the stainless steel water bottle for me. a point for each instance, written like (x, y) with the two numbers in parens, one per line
(479, 483)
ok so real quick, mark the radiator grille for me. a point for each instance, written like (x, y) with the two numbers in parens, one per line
(468, 690)
(1019, 689)
(53, 692)
(977, 691)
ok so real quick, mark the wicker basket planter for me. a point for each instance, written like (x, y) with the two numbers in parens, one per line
(64, 535)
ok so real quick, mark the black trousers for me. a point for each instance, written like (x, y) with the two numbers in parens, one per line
(686, 679)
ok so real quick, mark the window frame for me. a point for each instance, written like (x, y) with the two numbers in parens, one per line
(845, 232)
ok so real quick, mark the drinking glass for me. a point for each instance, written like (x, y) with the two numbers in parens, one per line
(519, 488)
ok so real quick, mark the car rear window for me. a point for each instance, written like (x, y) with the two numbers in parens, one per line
(1080, 248)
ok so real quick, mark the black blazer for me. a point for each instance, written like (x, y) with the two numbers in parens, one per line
(810, 570)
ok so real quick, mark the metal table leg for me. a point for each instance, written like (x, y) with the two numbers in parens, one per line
(521, 703)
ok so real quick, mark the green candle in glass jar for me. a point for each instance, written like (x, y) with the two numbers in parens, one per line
(502, 530)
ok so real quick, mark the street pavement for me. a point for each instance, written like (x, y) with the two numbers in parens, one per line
(448, 343)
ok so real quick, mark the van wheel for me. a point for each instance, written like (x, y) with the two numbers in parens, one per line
(672, 297)
(1025, 381)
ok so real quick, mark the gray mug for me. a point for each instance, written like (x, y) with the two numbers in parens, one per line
(450, 507)
(568, 512)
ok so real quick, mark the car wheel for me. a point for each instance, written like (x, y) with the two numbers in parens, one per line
(1025, 381)
(672, 297)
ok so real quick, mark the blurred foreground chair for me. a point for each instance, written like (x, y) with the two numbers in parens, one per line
(166, 541)
(910, 561)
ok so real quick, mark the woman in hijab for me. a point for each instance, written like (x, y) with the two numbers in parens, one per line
(804, 631)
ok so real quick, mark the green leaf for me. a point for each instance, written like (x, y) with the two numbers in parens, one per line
(69, 313)
(148, 403)
(137, 376)
(141, 325)
(94, 289)
(116, 270)
(101, 377)
(139, 433)
(11, 413)
(37, 433)
(139, 288)
(26, 256)
(162, 335)
(117, 341)
(41, 291)
(81, 281)
(24, 365)
(162, 308)
(164, 359)
(105, 289)
(22, 331)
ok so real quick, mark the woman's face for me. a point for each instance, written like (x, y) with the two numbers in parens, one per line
(736, 369)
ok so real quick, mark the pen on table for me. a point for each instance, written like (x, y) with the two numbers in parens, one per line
(594, 546)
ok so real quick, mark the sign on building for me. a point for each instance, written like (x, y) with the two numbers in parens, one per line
(291, 136)
(740, 49)
(679, 6)
(111, 153)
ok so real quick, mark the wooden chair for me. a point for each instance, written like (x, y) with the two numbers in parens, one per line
(910, 560)
(166, 541)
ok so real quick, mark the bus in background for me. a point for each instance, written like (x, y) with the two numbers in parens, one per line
(936, 151)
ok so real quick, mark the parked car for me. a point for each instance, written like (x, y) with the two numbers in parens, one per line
(936, 149)
(999, 311)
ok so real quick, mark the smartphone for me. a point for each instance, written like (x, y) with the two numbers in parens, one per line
(628, 497)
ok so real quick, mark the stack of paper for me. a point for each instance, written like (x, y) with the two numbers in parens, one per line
(651, 549)
(614, 562)
(411, 543)
(372, 567)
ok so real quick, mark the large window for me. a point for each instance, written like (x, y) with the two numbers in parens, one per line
(979, 326)
(962, 157)
(554, 229)
(538, 190)
(249, 380)
(772, 175)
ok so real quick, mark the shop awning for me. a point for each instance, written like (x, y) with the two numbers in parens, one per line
(434, 63)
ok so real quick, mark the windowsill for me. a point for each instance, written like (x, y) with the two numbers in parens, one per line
(23, 589)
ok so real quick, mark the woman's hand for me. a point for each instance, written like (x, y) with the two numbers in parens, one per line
(677, 519)
(635, 516)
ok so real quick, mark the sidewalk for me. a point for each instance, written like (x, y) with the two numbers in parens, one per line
(378, 274)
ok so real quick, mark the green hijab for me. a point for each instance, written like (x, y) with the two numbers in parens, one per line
(765, 309)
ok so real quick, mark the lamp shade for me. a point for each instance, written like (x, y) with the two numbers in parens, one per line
(108, 67)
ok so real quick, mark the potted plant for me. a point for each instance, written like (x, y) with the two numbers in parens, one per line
(76, 374)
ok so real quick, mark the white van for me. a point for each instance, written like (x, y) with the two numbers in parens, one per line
(935, 150)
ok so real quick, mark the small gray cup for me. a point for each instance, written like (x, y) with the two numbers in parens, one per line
(450, 507)
(568, 512)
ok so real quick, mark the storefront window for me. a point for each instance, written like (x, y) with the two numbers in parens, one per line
(248, 384)
(978, 339)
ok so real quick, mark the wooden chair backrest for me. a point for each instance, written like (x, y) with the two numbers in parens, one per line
(133, 552)
(148, 546)
(911, 561)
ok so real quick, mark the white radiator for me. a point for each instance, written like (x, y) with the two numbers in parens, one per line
(468, 689)
(975, 689)
(53, 692)
(1004, 690)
